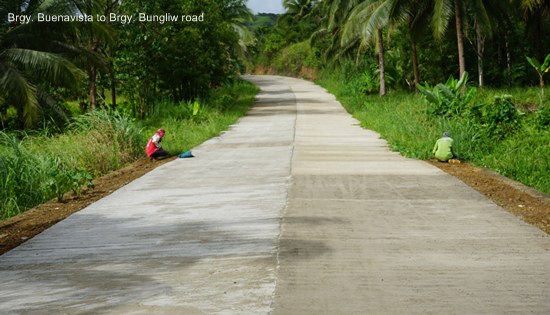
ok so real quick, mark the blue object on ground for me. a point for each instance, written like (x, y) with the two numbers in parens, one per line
(187, 154)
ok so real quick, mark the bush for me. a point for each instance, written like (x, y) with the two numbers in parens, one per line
(293, 59)
(450, 99)
(501, 118)
(23, 174)
(543, 118)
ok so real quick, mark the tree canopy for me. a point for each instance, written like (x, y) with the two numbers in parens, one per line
(56, 51)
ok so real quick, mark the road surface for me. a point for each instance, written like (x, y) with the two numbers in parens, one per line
(294, 210)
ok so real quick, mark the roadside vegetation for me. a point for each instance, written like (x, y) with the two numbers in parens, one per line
(489, 129)
(412, 69)
(39, 166)
(80, 99)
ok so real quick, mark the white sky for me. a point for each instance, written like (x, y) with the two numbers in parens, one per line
(266, 6)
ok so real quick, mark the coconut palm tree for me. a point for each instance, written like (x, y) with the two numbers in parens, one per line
(479, 10)
(240, 16)
(31, 51)
(298, 8)
(488, 16)
(335, 13)
(416, 15)
(365, 24)
(93, 41)
(444, 10)
(354, 21)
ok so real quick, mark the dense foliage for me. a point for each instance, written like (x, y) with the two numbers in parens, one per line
(123, 73)
(479, 67)
(52, 70)
(402, 43)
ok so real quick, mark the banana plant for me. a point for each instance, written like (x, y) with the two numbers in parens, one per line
(449, 99)
(541, 70)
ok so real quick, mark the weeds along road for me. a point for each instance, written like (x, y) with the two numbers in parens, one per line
(294, 210)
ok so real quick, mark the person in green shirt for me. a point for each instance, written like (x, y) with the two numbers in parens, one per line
(443, 149)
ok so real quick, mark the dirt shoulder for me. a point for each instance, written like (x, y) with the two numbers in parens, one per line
(531, 205)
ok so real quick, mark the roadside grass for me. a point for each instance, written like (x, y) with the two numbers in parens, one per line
(36, 167)
(402, 119)
(188, 124)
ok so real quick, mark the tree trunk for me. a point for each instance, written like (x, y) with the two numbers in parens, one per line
(381, 63)
(113, 84)
(460, 37)
(92, 73)
(415, 64)
(480, 50)
(508, 58)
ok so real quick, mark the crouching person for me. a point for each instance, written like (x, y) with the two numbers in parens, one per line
(444, 150)
(153, 148)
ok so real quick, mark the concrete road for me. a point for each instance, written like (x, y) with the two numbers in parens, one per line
(294, 210)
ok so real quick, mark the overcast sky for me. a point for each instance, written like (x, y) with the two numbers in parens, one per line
(266, 6)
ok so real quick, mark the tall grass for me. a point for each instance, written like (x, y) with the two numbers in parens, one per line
(24, 177)
(105, 140)
(402, 119)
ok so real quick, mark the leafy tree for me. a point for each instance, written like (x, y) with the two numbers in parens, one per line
(303, 18)
(179, 60)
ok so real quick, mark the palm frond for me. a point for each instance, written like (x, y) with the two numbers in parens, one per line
(48, 65)
(443, 11)
(355, 24)
(21, 92)
(480, 14)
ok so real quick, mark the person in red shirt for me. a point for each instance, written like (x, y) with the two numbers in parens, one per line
(153, 148)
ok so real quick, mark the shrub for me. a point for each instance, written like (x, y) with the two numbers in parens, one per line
(64, 178)
(450, 99)
(543, 118)
(294, 58)
(501, 118)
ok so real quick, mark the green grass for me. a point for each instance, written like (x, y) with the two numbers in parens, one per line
(401, 118)
(185, 130)
(35, 167)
